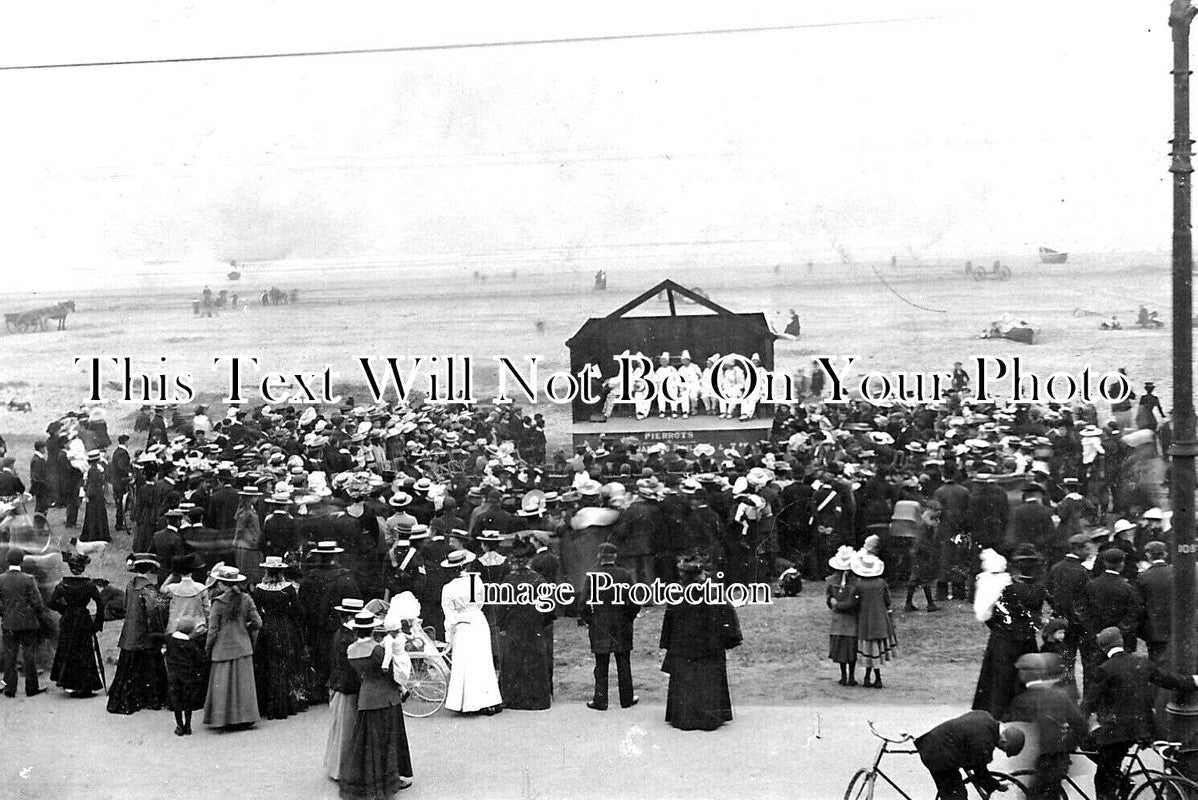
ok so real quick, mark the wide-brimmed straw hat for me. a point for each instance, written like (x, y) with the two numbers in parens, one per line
(274, 562)
(227, 575)
(866, 565)
(843, 560)
(327, 548)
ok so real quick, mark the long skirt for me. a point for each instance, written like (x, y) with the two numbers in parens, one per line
(842, 649)
(95, 522)
(998, 682)
(344, 710)
(697, 698)
(140, 682)
(76, 666)
(472, 682)
(232, 696)
(247, 561)
(525, 681)
(378, 757)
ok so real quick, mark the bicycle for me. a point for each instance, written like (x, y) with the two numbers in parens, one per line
(865, 780)
(1136, 780)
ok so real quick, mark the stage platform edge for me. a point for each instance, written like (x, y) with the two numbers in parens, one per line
(686, 432)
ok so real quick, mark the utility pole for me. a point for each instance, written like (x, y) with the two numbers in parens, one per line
(1183, 710)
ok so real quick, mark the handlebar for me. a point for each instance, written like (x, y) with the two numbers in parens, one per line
(903, 735)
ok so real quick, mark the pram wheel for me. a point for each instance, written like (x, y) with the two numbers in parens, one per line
(428, 686)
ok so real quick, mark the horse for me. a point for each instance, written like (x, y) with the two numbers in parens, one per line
(11, 320)
(59, 312)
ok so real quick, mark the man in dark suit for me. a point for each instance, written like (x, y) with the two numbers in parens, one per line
(168, 543)
(1122, 695)
(610, 626)
(40, 485)
(1109, 601)
(222, 503)
(1155, 586)
(120, 475)
(966, 743)
(1058, 720)
(1032, 523)
(1067, 581)
(21, 609)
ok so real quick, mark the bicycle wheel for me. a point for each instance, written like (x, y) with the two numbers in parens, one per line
(427, 689)
(1023, 778)
(861, 787)
(1166, 787)
(1013, 787)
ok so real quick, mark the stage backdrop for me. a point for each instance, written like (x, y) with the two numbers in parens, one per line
(721, 331)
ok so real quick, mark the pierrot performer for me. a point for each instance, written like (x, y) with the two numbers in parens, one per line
(692, 387)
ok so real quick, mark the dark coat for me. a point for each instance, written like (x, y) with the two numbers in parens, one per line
(21, 606)
(1122, 695)
(638, 529)
(1057, 718)
(610, 624)
(964, 742)
(39, 476)
(10, 484)
(1109, 600)
(989, 513)
(1032, 522)
(342, 677)
(377, 687)
(166, 545)
(222, 508)
(120, 469)
(546, 564)
(1155, 586)
(1067, 581)
(278, 534)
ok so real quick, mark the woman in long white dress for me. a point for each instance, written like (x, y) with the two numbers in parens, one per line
(472, 683)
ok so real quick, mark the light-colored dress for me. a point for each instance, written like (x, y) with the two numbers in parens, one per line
(472, 682)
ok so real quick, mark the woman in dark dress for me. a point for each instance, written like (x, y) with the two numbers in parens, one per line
(140, 680)
(95, 515)
(526, 679)
(695, 638)
(282, 671)
(76, 665)
(1013, 625)
(377, 761)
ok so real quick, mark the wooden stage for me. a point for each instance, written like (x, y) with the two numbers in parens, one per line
(687, 432)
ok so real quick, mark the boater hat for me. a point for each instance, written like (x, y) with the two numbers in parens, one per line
(350, 605)
(327, 547)
(458, 559)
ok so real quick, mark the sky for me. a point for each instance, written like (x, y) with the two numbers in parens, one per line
(938, 128)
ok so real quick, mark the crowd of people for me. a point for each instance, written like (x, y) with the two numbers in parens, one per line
(264, 543)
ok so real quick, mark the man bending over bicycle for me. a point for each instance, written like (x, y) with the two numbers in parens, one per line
(966, 743)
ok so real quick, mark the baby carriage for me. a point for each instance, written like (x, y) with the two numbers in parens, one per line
(428, 683)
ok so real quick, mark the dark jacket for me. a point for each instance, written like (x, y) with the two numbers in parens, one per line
(120, 469)
(1057, 718)
(1067, 582)
(1122, 695)
(39, 476)
(1155, 586)
(964, 742)
(378, 688)
(342, 677)
(610, 624)
(1109, 600)
(21, 606)
(1032, 522)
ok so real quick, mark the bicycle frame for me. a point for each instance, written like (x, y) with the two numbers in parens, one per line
(876, 769)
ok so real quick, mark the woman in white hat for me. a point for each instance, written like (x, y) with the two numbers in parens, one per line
(841, 584)
(472, 683)
(232, 628)
(876, 639)
(282, 670)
